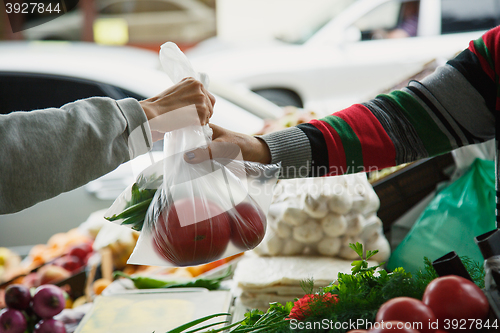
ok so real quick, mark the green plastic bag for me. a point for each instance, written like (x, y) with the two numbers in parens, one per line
(463, 210)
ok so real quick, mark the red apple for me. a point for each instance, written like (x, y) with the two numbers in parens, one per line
(248, 226)
(81, 251)
(68, 262)
(185, 241)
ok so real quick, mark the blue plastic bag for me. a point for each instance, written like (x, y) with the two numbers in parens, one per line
(460, 212)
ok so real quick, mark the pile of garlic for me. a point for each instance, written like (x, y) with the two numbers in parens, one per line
(322, 216)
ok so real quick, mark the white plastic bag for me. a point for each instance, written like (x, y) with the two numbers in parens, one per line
(190, 214)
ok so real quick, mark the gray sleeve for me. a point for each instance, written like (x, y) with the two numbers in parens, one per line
(292, 148)
(455, 97)
(46, 152)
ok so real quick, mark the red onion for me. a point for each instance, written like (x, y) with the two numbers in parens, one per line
(12, 321)
(17, 297)
(48, 301)
(50, 326)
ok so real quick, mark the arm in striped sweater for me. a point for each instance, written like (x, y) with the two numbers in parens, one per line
(453, 107)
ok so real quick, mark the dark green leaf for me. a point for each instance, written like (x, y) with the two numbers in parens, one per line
(209, 325)
(370, 254)
(358, 248)
(184, 327)
(307, 286)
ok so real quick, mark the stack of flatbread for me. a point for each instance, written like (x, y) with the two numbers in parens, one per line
(263, 280)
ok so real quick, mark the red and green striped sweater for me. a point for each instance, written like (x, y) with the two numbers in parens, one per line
(455, 106)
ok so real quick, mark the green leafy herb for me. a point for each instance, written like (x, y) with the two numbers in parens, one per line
(136, 209)
(307, 286)
(196, 322)
(270, 321)
(210, 284)
(359, 294)
(144, 282)
(361, 266)
(476, 271)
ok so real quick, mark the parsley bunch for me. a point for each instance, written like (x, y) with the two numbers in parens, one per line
(359, 296)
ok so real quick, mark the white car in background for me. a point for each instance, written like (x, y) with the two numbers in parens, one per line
(37, 75)
(148, 21)
(341, 63)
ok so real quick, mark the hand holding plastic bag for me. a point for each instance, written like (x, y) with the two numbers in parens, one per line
(192, 214)
(177, 66)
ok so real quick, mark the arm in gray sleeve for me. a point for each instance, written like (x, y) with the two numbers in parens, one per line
(290, 147)
(46, 152)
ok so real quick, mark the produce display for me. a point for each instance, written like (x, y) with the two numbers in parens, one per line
(62, 256)
(145, 282)
(322, 216)
(58, 245)
(188, 272)
(9, 262)
(18, 303)
(61, 268)
(27, 313)
(370, 299)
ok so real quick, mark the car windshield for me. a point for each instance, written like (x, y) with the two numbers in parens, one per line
(383, 17)
(303, 35)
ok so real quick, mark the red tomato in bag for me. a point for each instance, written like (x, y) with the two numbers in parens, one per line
(194, 243)
(454, 297)
(248, 226)
(407, 309)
